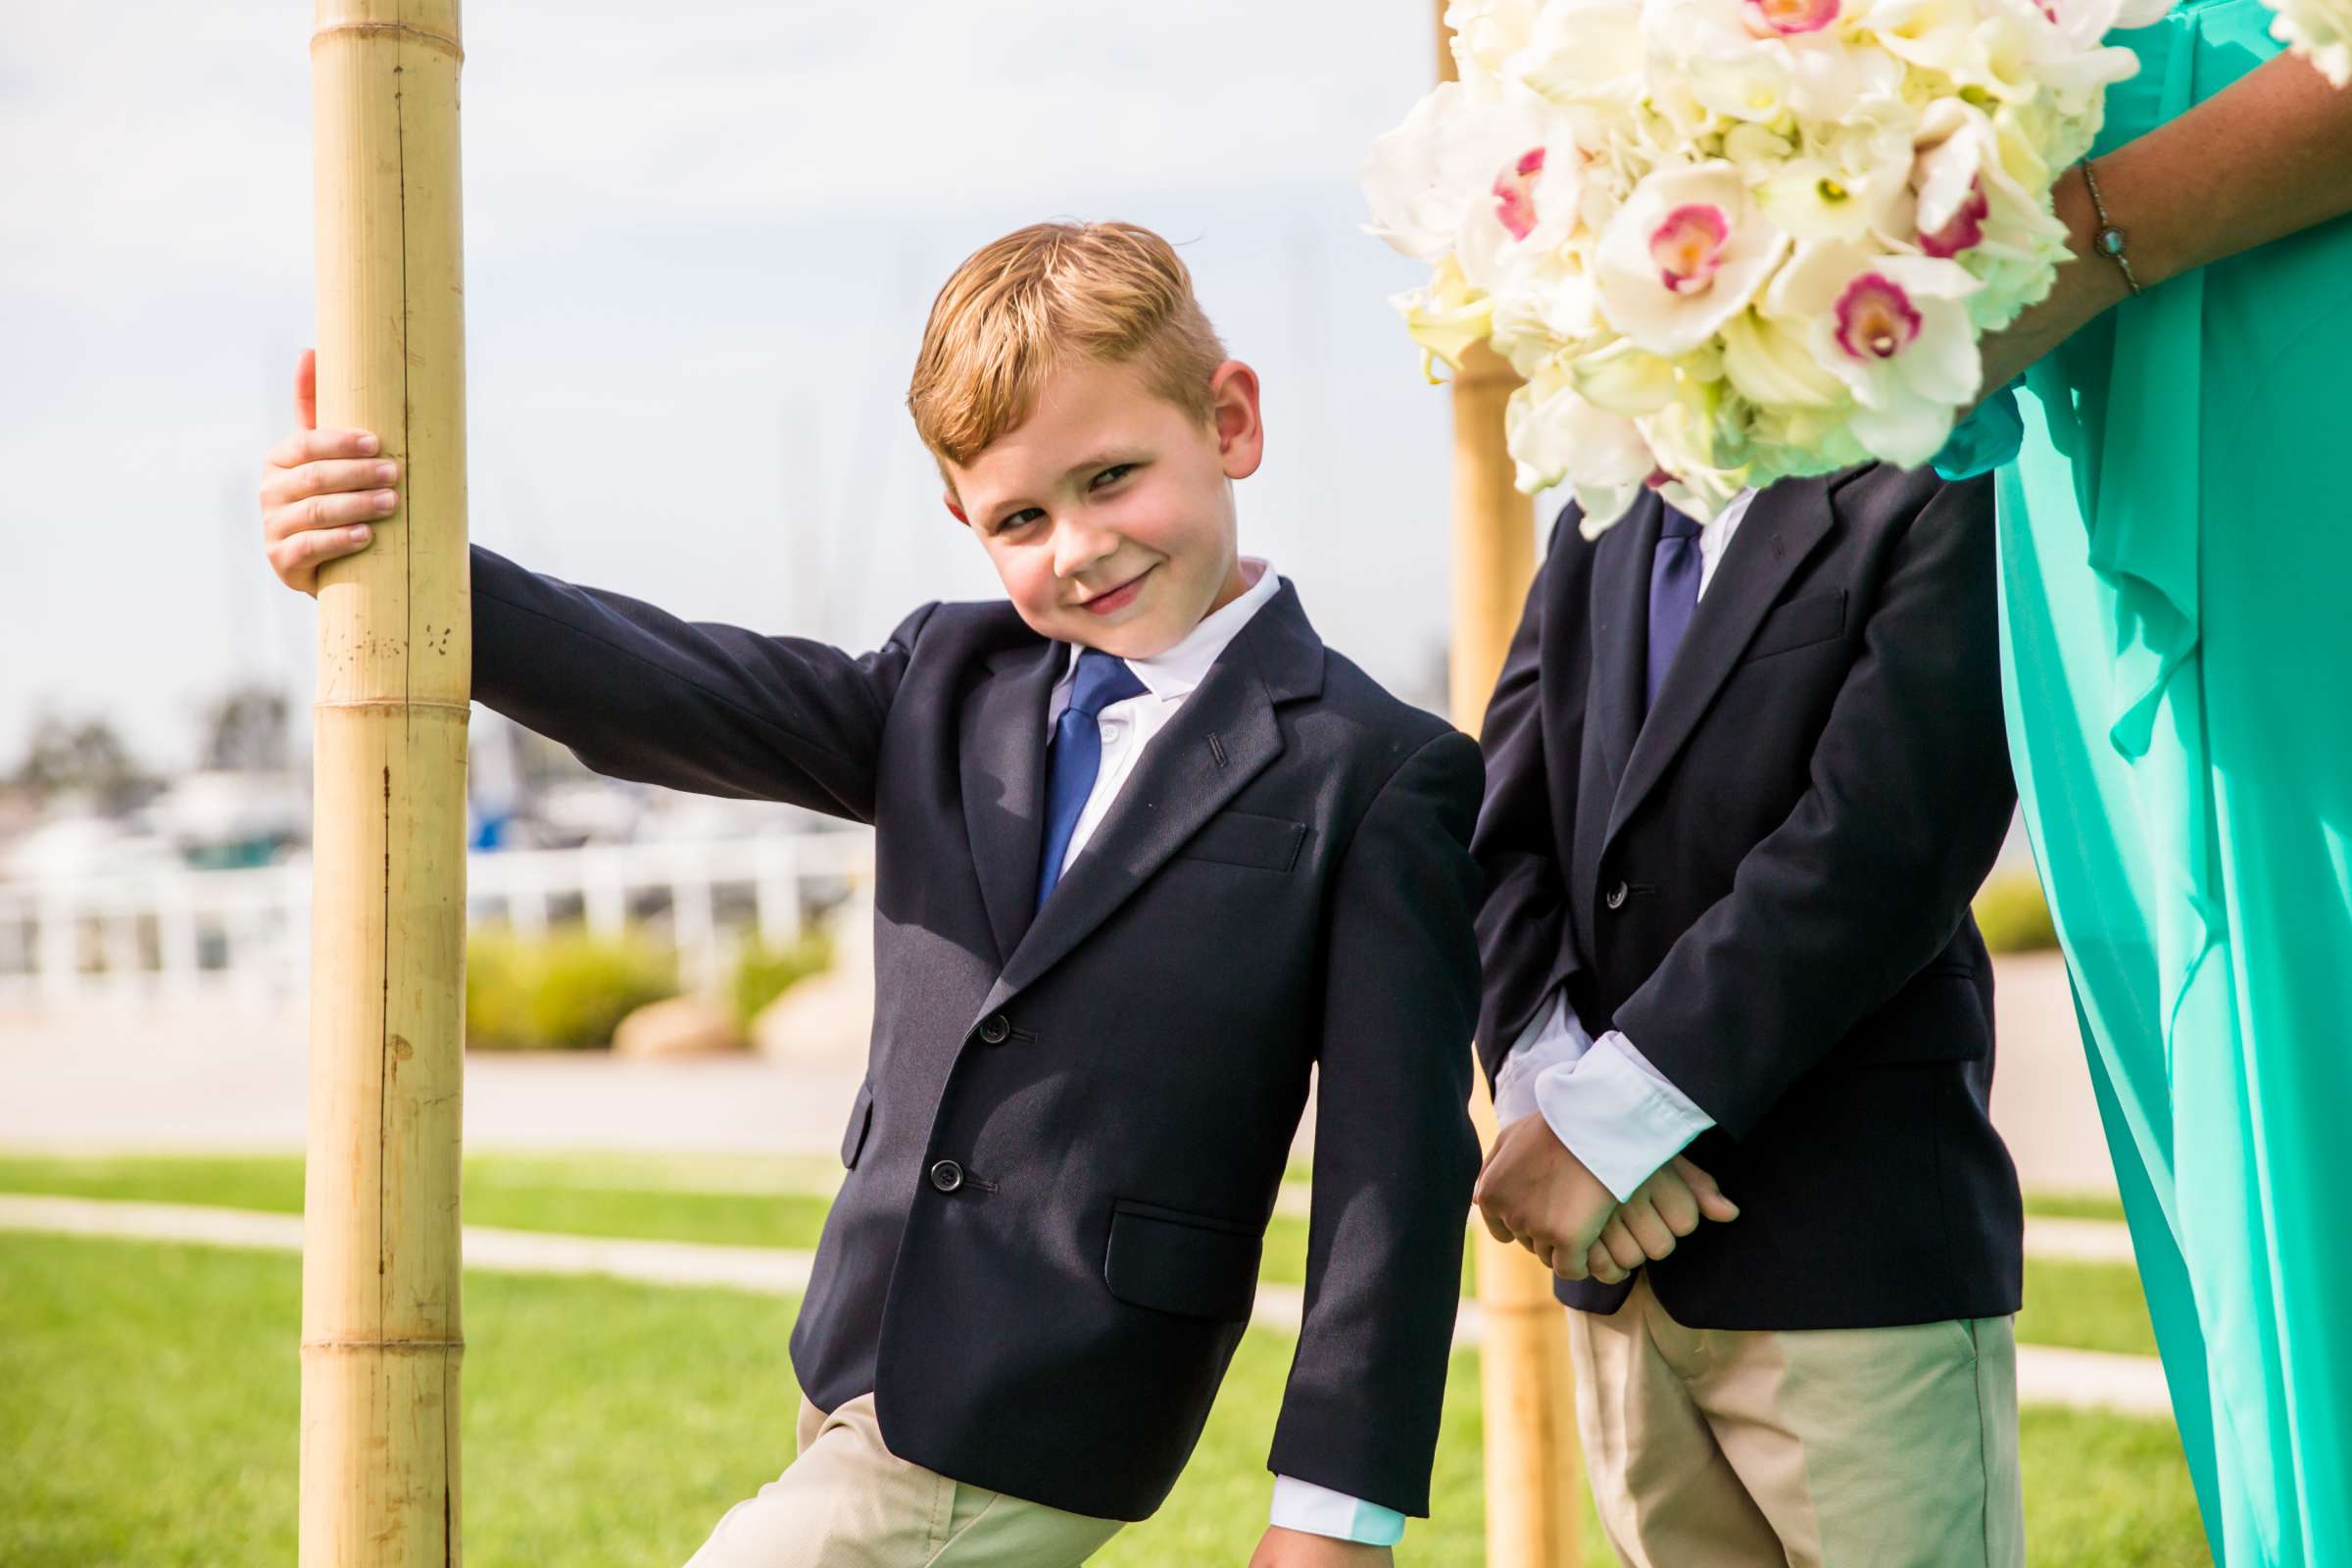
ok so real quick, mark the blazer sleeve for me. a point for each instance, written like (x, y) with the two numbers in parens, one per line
(1394, 1151)
(639, 694)
(1523, 934)
(1868, 878)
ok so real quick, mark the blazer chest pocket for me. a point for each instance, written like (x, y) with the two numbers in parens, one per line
(1799, 623)
(1188, 1264)
(1238, 838)
(861, 1117)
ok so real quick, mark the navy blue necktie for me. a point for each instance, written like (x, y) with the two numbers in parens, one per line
(1673, 595)
(1077, 757)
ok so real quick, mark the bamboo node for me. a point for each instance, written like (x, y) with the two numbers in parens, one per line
(390, 705)
(424, 35)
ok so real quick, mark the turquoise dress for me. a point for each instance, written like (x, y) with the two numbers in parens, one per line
(2176, 615)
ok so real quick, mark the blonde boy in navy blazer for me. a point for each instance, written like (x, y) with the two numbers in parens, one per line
(1147, 852)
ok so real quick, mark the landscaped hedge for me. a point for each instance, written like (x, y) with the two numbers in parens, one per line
(763, 973)
(2013, 914)
(565, 989)
(569, 989)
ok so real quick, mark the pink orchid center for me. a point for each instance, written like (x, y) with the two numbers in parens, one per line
(1965, 230)
(1687, 246)
(1876, 319)
(1515, 193)
(1788, 18)
(1658, 479)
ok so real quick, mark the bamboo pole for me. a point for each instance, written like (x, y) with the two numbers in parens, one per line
(1534, 1480)
(381, 1333)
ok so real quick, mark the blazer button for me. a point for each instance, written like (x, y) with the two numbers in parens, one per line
(996, 1029)
(1617, 896)
(947, 1175)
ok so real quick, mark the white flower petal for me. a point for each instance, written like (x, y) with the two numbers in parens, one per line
(1636, 299)
(1904, 429)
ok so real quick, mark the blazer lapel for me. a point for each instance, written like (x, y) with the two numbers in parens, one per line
(1782, 526)
(1223, 736)
(1002, 758)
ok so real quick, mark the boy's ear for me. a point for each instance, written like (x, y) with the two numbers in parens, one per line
(1234, 415)
(954, 508)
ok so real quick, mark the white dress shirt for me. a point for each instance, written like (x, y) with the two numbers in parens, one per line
(1127, 726)
(1615, 1112)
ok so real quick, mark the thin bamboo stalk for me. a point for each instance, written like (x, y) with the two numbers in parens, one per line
(1534, 1480)
(381, 1339)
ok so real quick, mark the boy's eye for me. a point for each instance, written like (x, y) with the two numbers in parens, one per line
(1019, 519)
(1113, 473)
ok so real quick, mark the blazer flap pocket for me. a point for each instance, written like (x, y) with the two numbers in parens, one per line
(861, 1116)
(1189, 1264)
(1238, 838)
(1814, 618)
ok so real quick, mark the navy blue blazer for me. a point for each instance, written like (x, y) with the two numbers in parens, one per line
(1073, 1126)
(1765, 882)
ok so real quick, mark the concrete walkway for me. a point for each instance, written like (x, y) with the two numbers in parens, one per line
(2128, 1385)
(232, 1076)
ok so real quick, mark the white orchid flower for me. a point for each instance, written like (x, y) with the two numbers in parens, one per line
(1683, 255)
(1424, 180)
(1969, 206)
(1895, 329)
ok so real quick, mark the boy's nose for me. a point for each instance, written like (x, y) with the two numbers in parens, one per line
(1077, 548)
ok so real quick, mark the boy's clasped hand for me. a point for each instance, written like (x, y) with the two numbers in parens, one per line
(1534, 1192)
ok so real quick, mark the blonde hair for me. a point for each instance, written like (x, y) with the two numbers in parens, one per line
(1022, 307)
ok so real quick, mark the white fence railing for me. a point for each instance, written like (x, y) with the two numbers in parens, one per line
(175, 931)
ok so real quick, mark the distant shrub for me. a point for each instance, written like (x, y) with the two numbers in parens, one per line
(764, 973)
(567, 990)
(2013, 914)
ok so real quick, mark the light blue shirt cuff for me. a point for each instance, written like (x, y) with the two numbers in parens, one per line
(1320, 1512)
(1554, 1039)
(1617, 1114)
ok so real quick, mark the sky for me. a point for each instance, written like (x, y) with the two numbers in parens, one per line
(700, 244)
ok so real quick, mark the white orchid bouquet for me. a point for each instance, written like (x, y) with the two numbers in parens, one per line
(1728, 241)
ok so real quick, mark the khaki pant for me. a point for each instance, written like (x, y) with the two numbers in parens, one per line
(1826, 1448)
(848, 1503)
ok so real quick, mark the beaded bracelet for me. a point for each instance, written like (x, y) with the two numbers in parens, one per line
(2109, 240)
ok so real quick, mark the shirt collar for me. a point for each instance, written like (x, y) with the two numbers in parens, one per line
(1175, 672)
(1712, 540)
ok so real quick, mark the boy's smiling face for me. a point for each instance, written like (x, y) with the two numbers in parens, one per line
(1108, 513)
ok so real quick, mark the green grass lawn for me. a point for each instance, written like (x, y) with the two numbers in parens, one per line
(684, 1200)
(782, 1203)
(2085, 1306)
(2075, 1205)
(150, 1419)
